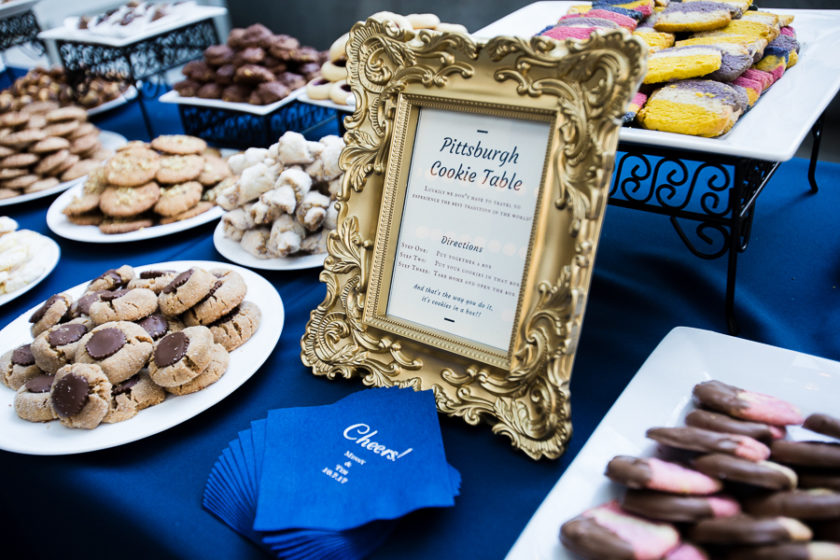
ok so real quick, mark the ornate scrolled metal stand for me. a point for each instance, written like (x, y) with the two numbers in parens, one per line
(19, 29)
(715, 193)
(137, 61)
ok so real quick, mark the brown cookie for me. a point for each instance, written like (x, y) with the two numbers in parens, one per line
(178, 198)
(85, 144)
(237, 327)
(122, 202)
(185, 290)
(50, 313)
(179, 144)
(746, 529)
(111, 279)
(823, 424)
(49, 145)
(69, 161)
(62, 129)
(18, 160)
(22, 182)
(12, 173)
(120, 348)
(158, 325)
(57, 346)
(42, 185)
(8, 193)
(764, 474)
(80, 395)
(181, 356)
(125, 225)
(131, 396)
(79, 169)
(179, 169)
(123, 305)
(14, 119)
(155, 280)
(132, 168)
(32, 401)
(199, 208)
(226, 294)
(69, 113)
(807, 453)
(83, 130)
(219, 360)
(93, 218)
(17, 366)
(21, 139)
(815, 503)
(214, 170)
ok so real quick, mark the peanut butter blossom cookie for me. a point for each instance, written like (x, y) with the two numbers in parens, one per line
(80, 395)
(185, 290)
(120, 348)
(17, 366)
(32, 400)
(57, 346)
(181, 356)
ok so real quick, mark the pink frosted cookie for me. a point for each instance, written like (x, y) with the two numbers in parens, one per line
(752, 87)
(764, 474)
(606, 531)
(656, 474)
(678, 509)
(746, 404)
(633, 107)
(707, 441)
(788, 30)
(764, 78)
(687, 551)
(622, 20)
(562, 33)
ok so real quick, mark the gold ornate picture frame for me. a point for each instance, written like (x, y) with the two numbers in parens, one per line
(475, 185)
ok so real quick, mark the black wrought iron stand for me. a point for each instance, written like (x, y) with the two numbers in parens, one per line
(19, 29)
(137, 61)
(715, 193)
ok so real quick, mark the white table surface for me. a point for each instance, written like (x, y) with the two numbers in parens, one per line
(775, 127)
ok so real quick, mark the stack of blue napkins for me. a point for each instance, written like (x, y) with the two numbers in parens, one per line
(331, 481)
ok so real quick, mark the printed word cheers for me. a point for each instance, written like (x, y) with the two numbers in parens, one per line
(361, 434)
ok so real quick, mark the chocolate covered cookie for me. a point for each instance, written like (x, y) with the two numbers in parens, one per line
(746, 529)
(744, 404)
(678, 509)
(656, 474)
(724, 423)
(707, 441)
(763, 474)
(823, 424)
(807, 453)
(815, 503)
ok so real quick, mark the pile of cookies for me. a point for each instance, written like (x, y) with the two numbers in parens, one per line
(42, 84)
(22, 256)
(709, 63)
(254, 66)
(729, 484)
(131, 17)
(332, 82)
(283, 202)
(126, 342)
(167, 180)
(43, 145)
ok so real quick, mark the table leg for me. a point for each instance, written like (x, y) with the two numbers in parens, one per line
(816, 134)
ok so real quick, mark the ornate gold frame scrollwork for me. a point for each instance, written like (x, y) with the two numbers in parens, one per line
(584, 87)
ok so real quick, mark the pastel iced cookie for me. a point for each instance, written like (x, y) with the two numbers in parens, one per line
(655, 40)
(645, 7)
(788, 551)
(753, 88)
(587, 21)
(678, 509)
(814, 503)
(687, 551)
(749, 530)
(693, 16)
(724, 423)
(635, 15)
(633, 107)
(764, 474)
(681, 63)
(807, 453)
(764, 78)
(656, 474)
(745, 404)
(707, 441)
(697, 107)
(735, 60)
(606, 532)
(736, 7)
(562, 33)
(754, 45)
(744, 27)
(617, 18)
(823, 424)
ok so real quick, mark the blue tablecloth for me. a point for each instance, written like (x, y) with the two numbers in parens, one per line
(143, 500)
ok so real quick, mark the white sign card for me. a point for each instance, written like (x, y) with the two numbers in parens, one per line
(470, 198)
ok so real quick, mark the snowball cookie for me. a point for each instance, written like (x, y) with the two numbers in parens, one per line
(81, 395)
(120, 348)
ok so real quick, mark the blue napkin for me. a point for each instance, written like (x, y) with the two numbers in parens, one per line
(331, 481)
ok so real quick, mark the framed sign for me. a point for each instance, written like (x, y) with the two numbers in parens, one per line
(476, 177)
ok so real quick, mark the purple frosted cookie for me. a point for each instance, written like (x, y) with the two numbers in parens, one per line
(694, 16)
(707, 441)
(764, 474)
(678, 509)
(746, 404)
(656, 474)
(724, 423)
(698, 107)
(607, 532)
(735, 60)
(746, 529)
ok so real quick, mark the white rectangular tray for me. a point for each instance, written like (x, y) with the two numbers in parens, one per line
(775, 127)
(174, 97)
(660, 395)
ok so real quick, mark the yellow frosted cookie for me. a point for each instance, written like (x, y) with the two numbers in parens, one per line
(681, 63)
(693, 16)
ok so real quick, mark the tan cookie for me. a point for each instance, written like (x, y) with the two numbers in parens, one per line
(21, 182)
(32, 401)
(39, 107)
(49, 145)
(6, 151)
(85, 144)
(8, 193)
(226, 294)
(69, 113)
(17, 366)
(199, 208)
(93, 218)
(12, 173)
(133, 395)
(14, 119)
(234, 329)
(83, 130)
(132, 168)
(56, 346)
(127, 225)
(120, 348)
(219, 360)
(42, 185)
(122, 202)
(181, 356)
(20, 139)
(69, 161)
(18, 160)
(179, 144)
(111, 279)
(81, 395)
(155, 280)
(179, 169)
(134, 145)
(50, 313)
(158, 326)
(178, 198)
(82, 205)
(62, 129)
(123, 305)
(215, 169)
(36, 121)
(185, 290)
(79, 169)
